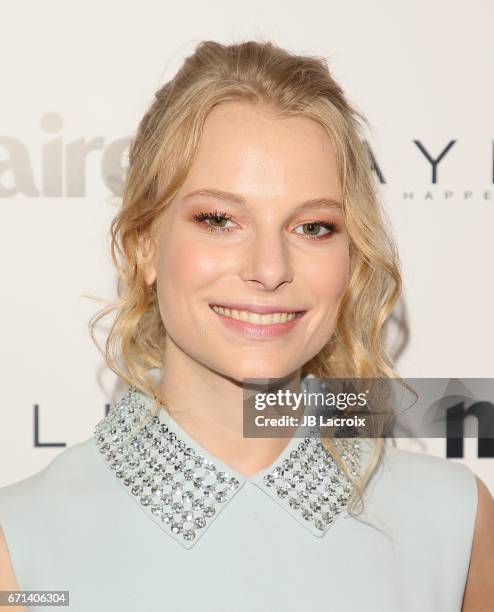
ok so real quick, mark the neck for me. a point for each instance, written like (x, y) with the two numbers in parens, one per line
(209, 407)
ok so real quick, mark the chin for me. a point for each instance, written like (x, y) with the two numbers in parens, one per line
(260, 371)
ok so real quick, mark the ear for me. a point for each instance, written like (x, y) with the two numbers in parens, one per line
(147, 247)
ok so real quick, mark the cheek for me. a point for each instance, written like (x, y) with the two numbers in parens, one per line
(188, 265)
(327, 278)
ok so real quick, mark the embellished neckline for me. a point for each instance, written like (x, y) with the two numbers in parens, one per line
(183, 488)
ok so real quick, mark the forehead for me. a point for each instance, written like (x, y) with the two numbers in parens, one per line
(252, 150)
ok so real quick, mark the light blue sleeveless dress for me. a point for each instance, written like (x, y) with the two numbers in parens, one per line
(141, 518)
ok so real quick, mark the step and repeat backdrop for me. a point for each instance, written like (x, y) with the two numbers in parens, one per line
(77, 78)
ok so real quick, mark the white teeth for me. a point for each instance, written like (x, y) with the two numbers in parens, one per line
(254, 317)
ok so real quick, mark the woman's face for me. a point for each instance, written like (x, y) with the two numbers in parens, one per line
(256, 226)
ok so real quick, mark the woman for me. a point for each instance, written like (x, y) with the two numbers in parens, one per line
(250, 245)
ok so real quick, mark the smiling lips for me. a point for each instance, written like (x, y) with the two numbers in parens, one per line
(255, 317)
(258, 320)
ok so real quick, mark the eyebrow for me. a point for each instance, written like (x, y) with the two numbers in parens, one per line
(322, 202)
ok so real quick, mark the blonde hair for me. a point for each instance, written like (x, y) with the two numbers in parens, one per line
(160, 156)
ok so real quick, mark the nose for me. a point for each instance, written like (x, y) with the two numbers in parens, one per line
(266, 261)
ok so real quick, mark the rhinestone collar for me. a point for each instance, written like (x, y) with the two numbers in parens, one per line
(183, 488)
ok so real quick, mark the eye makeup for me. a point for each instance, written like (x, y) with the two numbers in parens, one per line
(204, 217)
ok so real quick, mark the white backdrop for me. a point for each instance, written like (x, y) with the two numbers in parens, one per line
(76, 79)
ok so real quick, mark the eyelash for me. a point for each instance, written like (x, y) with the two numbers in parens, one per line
(219, 214)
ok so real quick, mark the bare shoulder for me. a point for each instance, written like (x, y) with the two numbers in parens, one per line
(479, 589)
(7, 578)
(8, 581)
